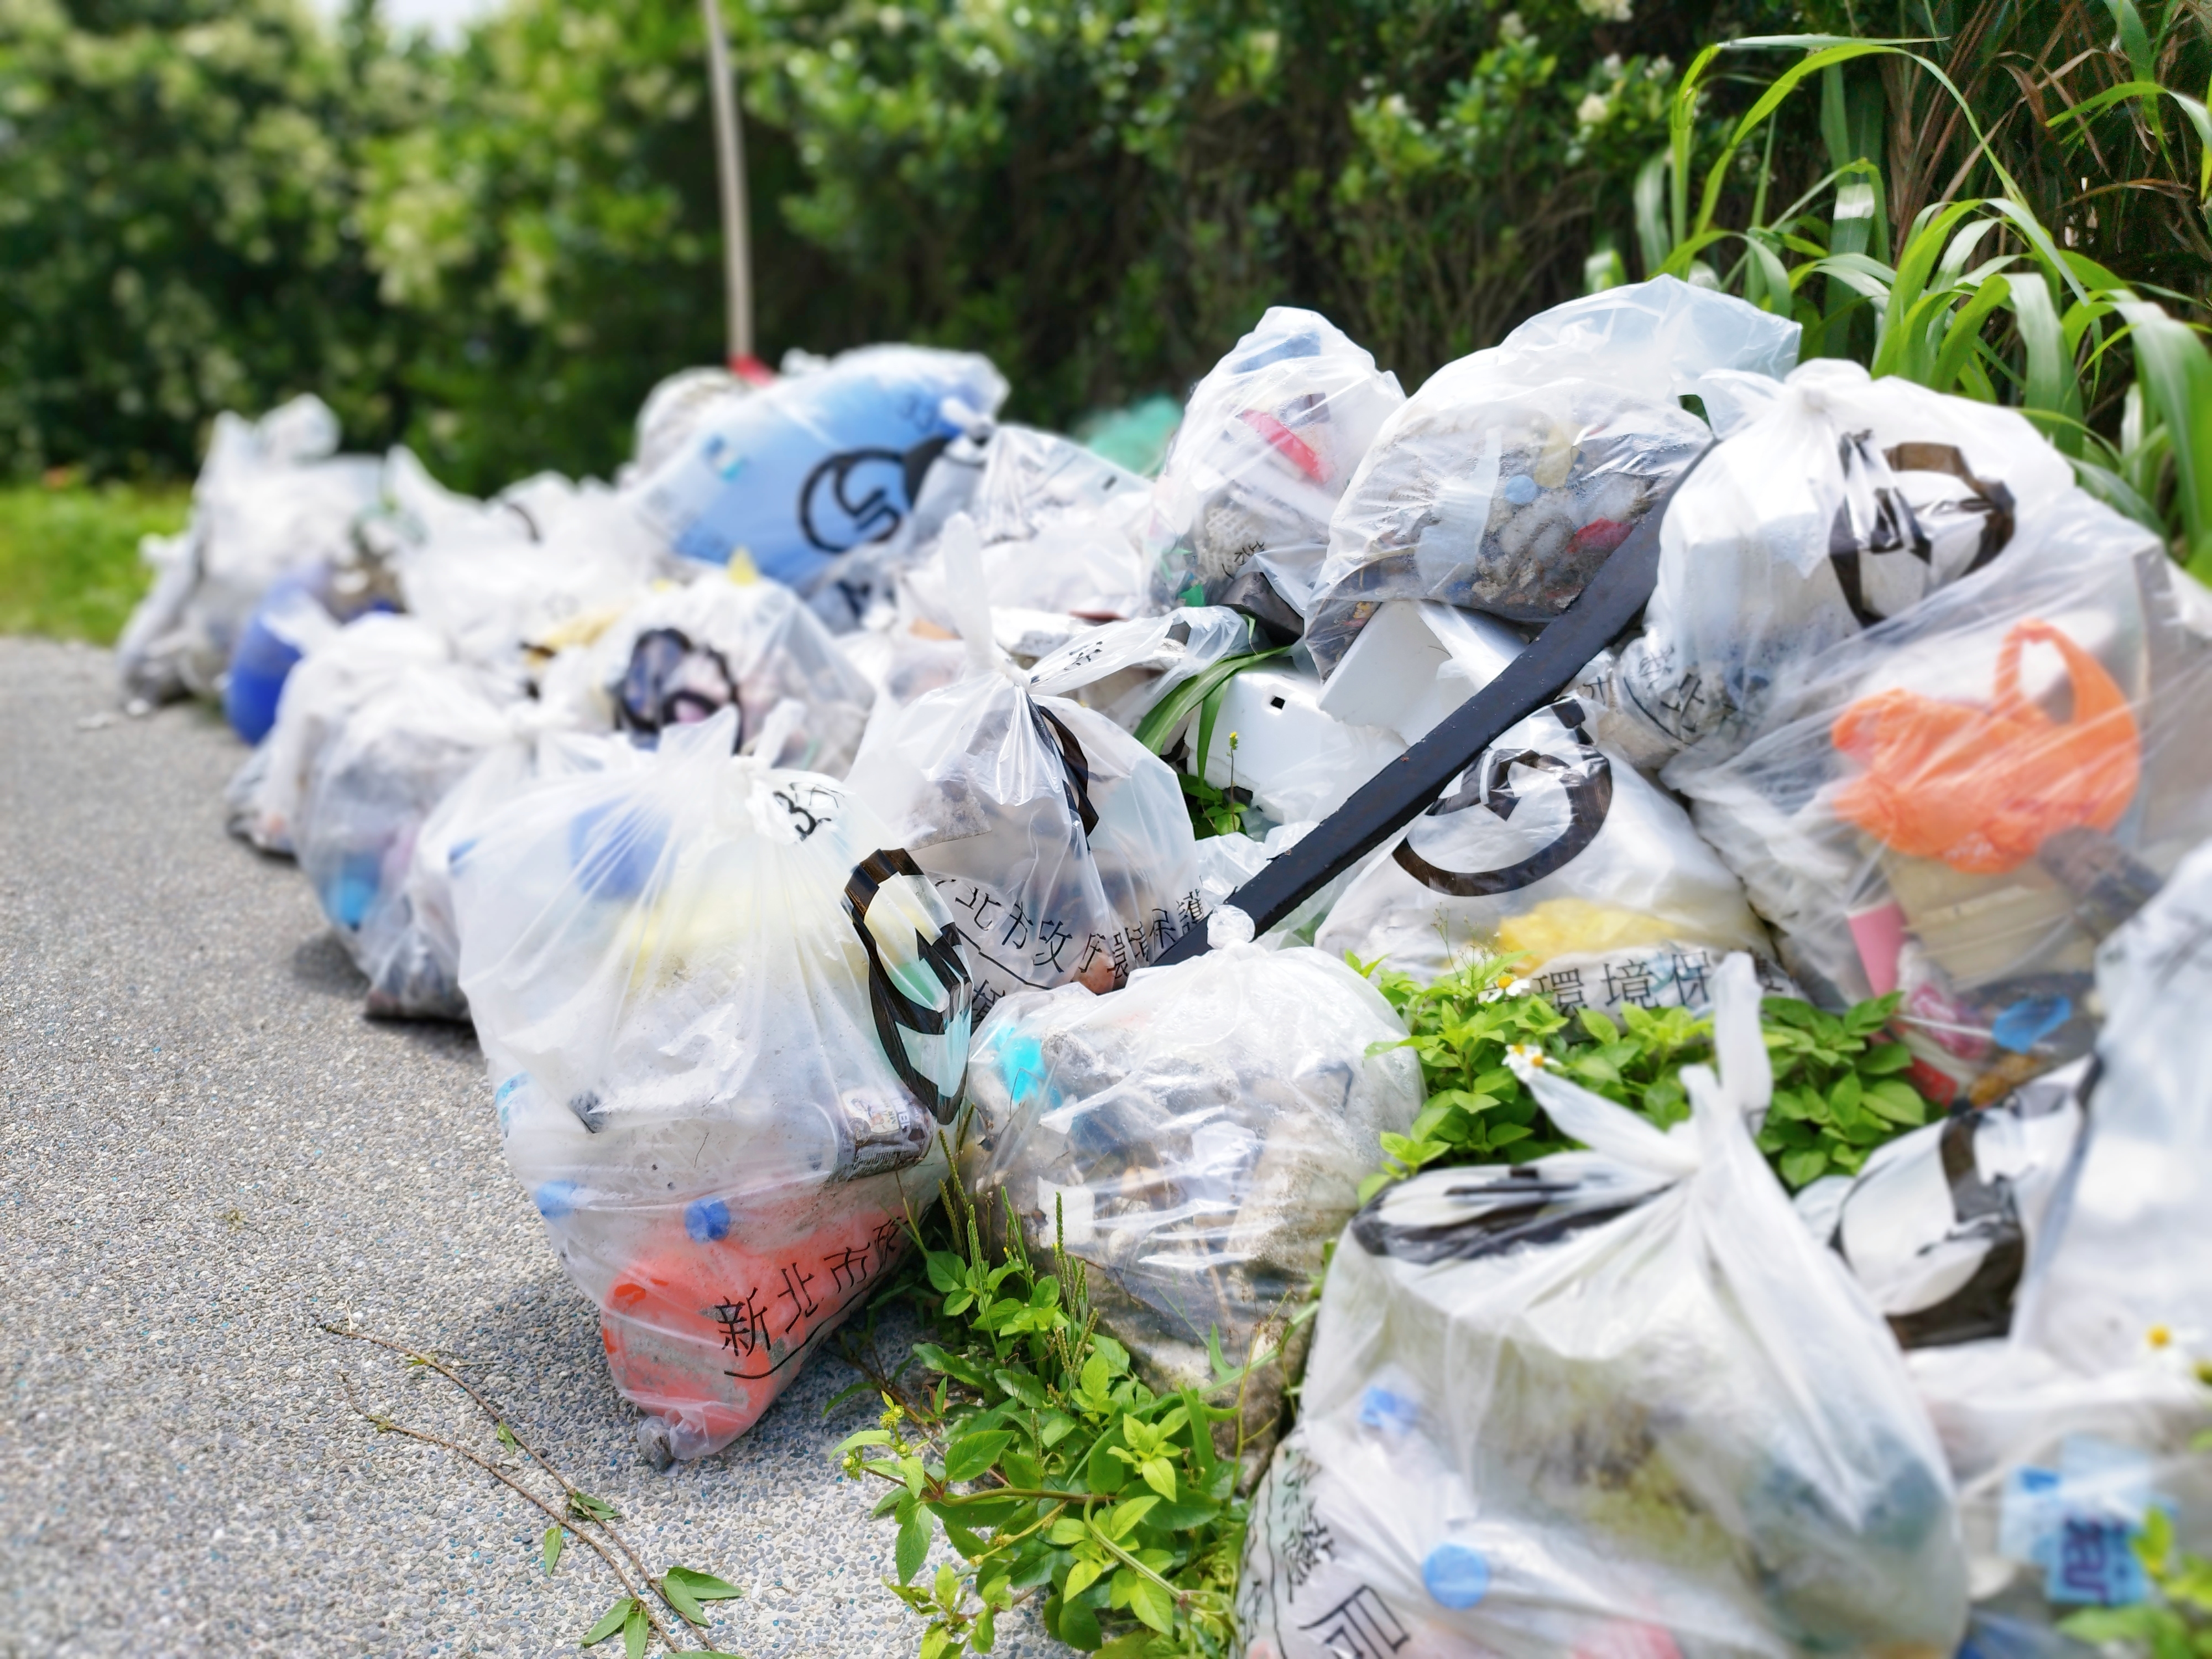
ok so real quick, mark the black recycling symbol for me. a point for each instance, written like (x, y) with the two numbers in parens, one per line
(895, 1012)
(1588, 780)
(860, 495)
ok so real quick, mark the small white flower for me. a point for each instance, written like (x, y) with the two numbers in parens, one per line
(1611, 64)
(1510, 28)
(1593, 109)
(1504, 986)
(1525, 1057)
(1607, 11)
(1659, 68)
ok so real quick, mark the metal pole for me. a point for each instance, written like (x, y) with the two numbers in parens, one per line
(730, 160)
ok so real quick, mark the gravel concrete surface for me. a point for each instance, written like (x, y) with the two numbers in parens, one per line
(206, 1151)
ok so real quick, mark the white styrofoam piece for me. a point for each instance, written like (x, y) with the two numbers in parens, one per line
(1413, 664)
(1297, 762)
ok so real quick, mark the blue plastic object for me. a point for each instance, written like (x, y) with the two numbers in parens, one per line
(555, 1199)
(706, 1220)
(1456, 1576)
(352, 889)
(814, 466)
(262, 658)
(614, 848)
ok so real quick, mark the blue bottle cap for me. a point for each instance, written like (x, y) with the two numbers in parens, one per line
(1456, 1576)
(706, 1220)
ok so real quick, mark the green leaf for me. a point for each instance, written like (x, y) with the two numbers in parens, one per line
(1078, 1625)
(609, 1622)
(1159, 1474)
(1900, 1102)
(1153, 1605)
(932, 1357)
(968, 1457)
(1798, 1169)
(1023, 1386)
(554, 1538)
(585, 1507)
(680, 1598)
(913, 1546)
(861, 1437)
(637, 1630)
(506, 1436)
(1125, 1514)
(1158, 728)
(1104, 1472)
(1132, 1645)
(1082, 1576)
(947, 1272)
(705, 1586)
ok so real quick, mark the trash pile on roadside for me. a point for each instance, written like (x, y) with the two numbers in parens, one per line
(1752, 1122)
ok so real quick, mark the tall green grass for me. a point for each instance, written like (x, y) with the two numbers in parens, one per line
(1975, 295)
(69, 556)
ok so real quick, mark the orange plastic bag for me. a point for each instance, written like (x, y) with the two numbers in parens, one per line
(1982, 788)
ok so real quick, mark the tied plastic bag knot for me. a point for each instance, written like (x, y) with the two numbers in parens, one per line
(1228, 927)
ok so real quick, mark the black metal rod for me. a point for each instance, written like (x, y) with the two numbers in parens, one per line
(1409, 785)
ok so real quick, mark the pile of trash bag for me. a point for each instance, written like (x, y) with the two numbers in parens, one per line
(802, 820)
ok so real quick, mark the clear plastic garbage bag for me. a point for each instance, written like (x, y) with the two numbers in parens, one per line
(2059, 1472)
(681, 654)
(2073, 1431)
(1509, 478)
(381, 774)
(809, 468)
(1958, 802)
(1126, 669)
(2130, 1253)
(1195, 1140)
(725, 1016)
(1833, 501)
(1552, 850)
(272, 495)
(1061, 843)
(1938, 1224)
(265, 799)
(1060, 530)
(1617, 1400)
(409, 942)
(1268, 442)
(902, 664)
(543, 561)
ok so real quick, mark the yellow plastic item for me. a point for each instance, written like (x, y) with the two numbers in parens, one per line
(1559, 926)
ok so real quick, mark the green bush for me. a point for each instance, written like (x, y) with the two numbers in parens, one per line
(176, 238)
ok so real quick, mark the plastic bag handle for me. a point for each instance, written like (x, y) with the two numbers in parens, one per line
(1588, 780)
(1074, 760)
(891, 1006)
(2085, 676)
